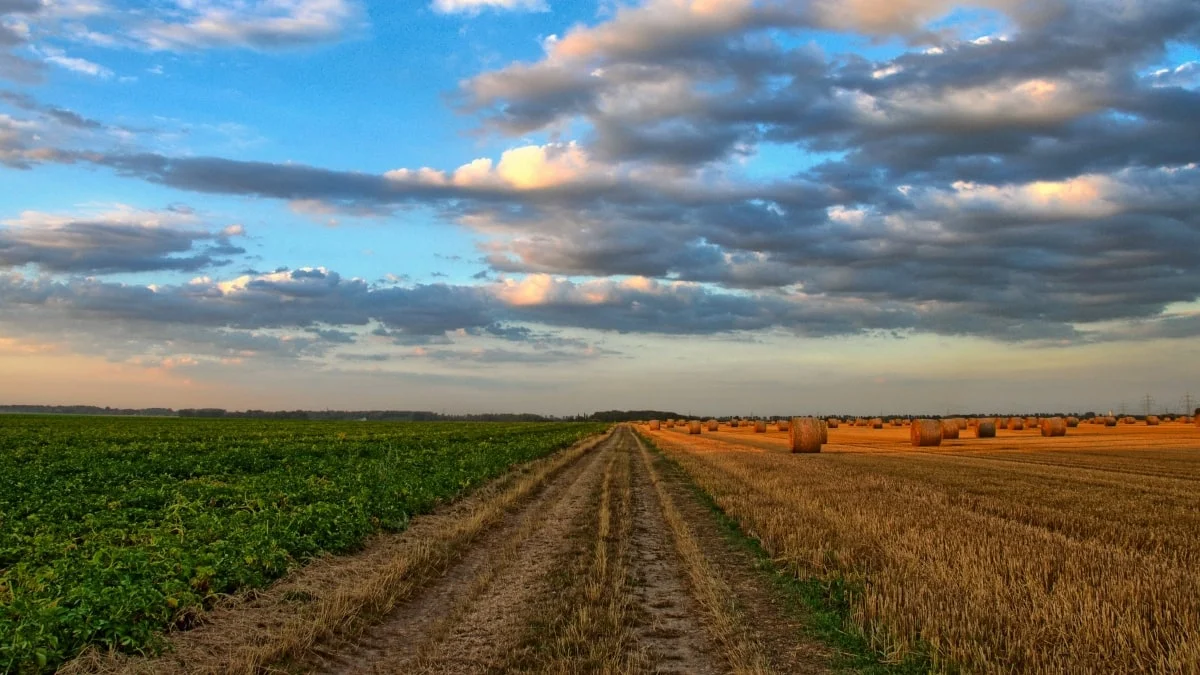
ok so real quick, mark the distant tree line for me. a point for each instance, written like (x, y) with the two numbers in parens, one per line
(221, 413)
(84, 410)
(429, 416)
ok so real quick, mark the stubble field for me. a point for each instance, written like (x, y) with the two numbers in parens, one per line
(1013, 554)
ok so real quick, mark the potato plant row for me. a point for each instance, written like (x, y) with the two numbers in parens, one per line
(112, 530)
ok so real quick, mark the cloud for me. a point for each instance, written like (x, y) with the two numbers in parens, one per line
(279, 24)
(20, 6)
(19, 69)
(74, 64)
(18, 143)
(61, 115)
(121, 241)
(988, 248)
(472, 7)
(1023, 185)
(14, 34)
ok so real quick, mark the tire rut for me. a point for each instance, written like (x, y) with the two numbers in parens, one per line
(673, 631)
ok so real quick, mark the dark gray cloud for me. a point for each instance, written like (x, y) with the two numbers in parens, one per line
(12, 66)
(20, 6)
(20, 69)
(375, 358)
(61, 115)
(82, 246)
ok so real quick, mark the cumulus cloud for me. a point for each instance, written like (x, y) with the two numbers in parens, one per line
(530, 167)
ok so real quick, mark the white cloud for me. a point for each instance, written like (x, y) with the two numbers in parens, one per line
(473, 7)
(1089, 196)
(108, 213)
(529, 167)
(76, 65)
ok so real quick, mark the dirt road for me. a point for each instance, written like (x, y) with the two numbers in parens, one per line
(592, 574)
(599, 559)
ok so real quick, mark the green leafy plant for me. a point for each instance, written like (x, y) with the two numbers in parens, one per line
(112, 530)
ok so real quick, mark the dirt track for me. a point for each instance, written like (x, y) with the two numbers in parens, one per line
(513, 602)
(599, 559)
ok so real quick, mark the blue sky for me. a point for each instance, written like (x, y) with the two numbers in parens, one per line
(564, 206)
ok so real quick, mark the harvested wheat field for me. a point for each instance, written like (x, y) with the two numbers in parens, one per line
(1019, 553)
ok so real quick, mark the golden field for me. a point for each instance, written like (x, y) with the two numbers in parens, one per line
(1014, 554)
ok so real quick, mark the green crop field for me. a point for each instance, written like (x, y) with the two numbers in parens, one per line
(114, 529)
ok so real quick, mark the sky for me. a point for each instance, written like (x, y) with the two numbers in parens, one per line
(712, 206)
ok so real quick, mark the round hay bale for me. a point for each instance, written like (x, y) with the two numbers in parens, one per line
(1016, 424)
(949, 429)
(1032, 422)
(713, 425)
(805, 434)
(1110, 421)
(782, 424)
(1054, 426)
(693, 427)
(876, 423)
(897, 422)
(833, 422)
(1152, 421)
(654, 425)
(1072, 422)
(985, 429)
(760, 426)
(973, 422)
(925, 433)
(733, 424)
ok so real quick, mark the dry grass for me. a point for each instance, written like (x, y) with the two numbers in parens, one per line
(1013, 554)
